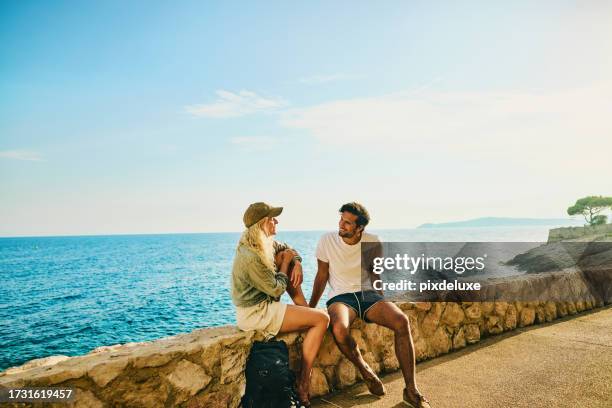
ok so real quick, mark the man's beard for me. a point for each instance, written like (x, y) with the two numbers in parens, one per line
(347, 234)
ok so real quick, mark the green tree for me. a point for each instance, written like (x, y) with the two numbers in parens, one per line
(590, 207)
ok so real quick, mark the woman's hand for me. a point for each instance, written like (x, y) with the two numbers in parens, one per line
(288, 255)
(296, 274)
(283, 259)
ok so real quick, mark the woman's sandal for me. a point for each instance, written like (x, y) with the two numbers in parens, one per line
(423, 402)
(304, 403)
(375, 386)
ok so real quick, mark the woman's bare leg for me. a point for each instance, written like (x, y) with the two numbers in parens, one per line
(294, 291)
(296, 294)
(315, 321)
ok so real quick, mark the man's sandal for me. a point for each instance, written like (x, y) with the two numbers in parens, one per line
(422, 403)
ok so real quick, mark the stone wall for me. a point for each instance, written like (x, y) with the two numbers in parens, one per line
(566, 233)
(205, 368)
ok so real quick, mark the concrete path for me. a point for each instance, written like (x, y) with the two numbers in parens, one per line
(563, 364)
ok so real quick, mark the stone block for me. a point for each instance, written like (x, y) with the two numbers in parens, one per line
(472, 333)
(104, 373)
(318, 383)
(187, 379)
(526, 317)
(459, 339)
(453, 315)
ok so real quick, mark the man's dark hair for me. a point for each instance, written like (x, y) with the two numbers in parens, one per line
(363, 217)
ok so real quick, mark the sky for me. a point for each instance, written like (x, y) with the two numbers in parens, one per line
(162, 117)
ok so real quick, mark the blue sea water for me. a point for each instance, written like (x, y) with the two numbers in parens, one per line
(68, 295)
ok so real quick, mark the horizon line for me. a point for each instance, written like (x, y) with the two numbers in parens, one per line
(236, 232)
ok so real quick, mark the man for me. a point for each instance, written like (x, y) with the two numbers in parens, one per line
(351, 295)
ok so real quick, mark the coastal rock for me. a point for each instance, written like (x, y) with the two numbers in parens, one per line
(228, 396)
(425, 306)
(500, 308)
(318, 383)
(210, 359)
(415, 331)
(57, 374)
(421, 349)
(390, 362)
(329, 353)
(188, 378)
(487, 308)
(140, 391)
(562, 309)
(459, 339)
(104, 349)
(85, 399)
(440, 342)
(494, 325)
(330, 375)
(432, 319)
(38, 362)
(453, 315)
(540, 314)
(234, 352)
(510, 319)
(526, 317)
(361, 343)
(371, 360)
(519, 306)
(156, 359)
(347, 373)
(106, 372)
(405, 306)
(472, 333)
(473, 312)
(550, 310)
(373, 334)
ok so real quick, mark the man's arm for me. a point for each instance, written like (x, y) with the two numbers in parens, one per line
(319, 283)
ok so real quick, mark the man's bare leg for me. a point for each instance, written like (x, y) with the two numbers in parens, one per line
(341, 318)
(389, 315)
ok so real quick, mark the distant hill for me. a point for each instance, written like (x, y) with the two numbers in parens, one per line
(505, 222)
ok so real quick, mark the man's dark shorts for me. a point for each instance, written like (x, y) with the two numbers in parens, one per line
(360, 302)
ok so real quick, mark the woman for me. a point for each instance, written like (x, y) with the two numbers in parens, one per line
(260, 275)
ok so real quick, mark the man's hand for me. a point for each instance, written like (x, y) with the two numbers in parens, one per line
(319, 283)
(297, 274)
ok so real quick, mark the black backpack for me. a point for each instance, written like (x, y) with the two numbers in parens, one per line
(269, 381)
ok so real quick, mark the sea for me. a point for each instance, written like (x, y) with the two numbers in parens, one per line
(68, 295)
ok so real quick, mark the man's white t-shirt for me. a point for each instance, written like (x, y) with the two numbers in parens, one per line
(344, 263)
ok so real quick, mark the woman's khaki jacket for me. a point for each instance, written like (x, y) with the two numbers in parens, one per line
(252, 281)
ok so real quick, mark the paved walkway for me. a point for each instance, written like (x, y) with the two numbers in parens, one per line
(563, 364)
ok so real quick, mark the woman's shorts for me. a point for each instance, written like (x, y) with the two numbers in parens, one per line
(265, 316)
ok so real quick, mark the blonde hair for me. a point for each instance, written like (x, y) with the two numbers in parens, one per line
(255, 238)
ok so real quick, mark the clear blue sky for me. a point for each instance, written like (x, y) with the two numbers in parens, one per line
(136, 117)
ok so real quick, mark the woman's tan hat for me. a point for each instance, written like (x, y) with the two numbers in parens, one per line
(258, 211)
